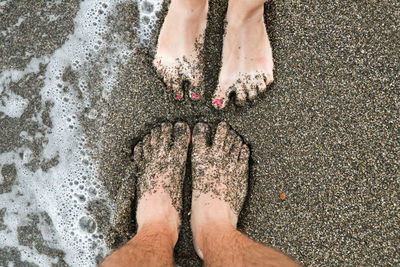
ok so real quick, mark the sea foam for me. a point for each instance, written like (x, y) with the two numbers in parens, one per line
(63, 191)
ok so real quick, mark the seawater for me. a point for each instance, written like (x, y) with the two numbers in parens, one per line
(63, 190)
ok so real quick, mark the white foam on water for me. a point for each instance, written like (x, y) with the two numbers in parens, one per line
(64, 190)
(14, 105)
(148, 10)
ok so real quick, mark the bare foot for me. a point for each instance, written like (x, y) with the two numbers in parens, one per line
(161, 160)
(219, 173)
(247, 64)
(179, 44)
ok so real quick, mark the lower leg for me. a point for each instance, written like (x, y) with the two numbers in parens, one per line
(153, 245)
(247, 63)
(178, 48)
(223, 245)
(220, 173)
(245, 9)
(161, 163)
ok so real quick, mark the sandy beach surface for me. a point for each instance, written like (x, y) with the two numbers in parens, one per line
(326, 133)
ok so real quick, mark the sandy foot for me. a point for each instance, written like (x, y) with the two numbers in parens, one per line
(247, 63)
(179, 44)
(219, 173)
(161, 160)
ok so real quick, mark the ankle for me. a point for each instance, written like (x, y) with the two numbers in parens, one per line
(241, 12)
(167, 233)
(208, 234)
(190, 7)
(208, 210)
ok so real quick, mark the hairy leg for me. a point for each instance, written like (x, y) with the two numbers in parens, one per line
(153, 245)
(223, 245)
(247, 64)
(220, 173)
(179, 44)
(161, 161)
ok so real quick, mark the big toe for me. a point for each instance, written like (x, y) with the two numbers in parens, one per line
(181, 136)
(201, 137)
(166, 135)
(220, 136)
(221, 97)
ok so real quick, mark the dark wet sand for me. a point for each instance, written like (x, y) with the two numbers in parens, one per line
(326, 133)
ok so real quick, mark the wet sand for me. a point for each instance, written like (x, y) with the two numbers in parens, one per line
(326, 133)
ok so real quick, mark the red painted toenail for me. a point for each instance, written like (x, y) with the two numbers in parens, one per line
(218, 102)
(169, 87)
(196, 96)
(178, 96)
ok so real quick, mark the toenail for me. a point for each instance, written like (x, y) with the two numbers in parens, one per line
(178, 96)
(169, 87)
(218, 102)
(196, 96)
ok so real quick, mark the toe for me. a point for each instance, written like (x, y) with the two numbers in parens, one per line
(195, 92)
(269, 78)
(252, 90)
(181, 136)
(241, 94)
(146, 147)
(138, 153)
(177, 90)
(244, 154)
(195, 78)
(166, 135)
(201, 137)
(221, 97)
(236, 148)
(172, 79)
(155, 136)
(220, 136)
(229, 141)
(244, 160)
(260, 82)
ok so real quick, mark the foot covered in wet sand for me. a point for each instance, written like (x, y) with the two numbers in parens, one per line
(179, 44)
(219, 173)
(161, 161)
(247, 64)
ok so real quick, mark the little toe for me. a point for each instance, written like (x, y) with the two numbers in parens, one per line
(155, 136)
(138, 153)
(201, 137)
(181, 136)
(166, 135)
(244, 160)
(236, 148)
(173, 80)
(220, 136)
(221, 97)
(147, 147)
(269, 78)
(252, 91)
